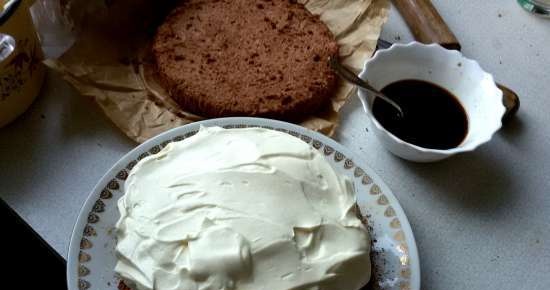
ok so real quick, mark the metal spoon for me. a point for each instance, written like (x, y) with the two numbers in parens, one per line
(351, 77)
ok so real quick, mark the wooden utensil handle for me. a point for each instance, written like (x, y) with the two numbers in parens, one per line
(510, 100)
(425, 23)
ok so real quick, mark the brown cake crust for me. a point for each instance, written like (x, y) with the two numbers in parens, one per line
(245, 57)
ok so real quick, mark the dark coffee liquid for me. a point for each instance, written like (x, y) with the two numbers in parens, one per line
(433, 117)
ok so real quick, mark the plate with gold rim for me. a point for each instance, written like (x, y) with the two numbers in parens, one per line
(395, 262)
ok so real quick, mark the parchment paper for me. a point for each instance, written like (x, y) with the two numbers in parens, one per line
(108, 61)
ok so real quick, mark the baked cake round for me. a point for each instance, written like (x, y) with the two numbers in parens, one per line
(245, 57)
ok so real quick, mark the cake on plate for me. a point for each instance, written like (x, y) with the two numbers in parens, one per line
(244, 209)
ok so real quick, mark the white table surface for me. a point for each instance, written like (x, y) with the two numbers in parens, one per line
(481, 220)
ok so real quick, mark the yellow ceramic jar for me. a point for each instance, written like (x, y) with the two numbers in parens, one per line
(21, 68)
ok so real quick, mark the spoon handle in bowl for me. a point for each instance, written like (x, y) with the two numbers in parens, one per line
(350, 76)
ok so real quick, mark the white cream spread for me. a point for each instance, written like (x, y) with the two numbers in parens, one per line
(245, 209)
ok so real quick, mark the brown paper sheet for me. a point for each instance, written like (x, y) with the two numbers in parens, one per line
(108, 61)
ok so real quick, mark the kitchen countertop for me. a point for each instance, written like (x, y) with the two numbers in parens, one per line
(481, 220)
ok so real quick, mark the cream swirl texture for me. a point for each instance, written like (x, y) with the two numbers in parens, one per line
(245, 209)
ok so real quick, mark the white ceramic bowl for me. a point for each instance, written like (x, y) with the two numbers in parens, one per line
(463, 77)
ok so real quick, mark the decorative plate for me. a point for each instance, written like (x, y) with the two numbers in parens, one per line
(91, 258)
